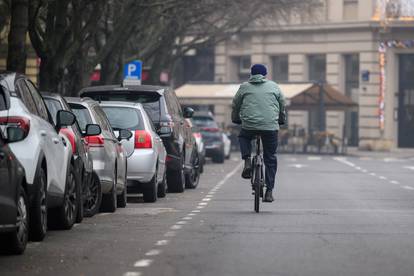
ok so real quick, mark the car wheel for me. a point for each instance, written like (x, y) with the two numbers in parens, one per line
(122, 198)
(18, 238)
(162, 187)
(109, 201)
(218, 158)
(93, 197)
(38, 210)
(192, 179)
(150, 193)
(64, 216)
(176, 179)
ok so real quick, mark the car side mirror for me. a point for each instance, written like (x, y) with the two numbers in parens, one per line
(92, 130)
(124, 134)
(64, 118)
(15, 134)
(188, 112)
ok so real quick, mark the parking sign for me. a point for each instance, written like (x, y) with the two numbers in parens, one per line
(133, 72)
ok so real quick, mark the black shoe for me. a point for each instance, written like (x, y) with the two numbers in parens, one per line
(247, 170)
(268, 196)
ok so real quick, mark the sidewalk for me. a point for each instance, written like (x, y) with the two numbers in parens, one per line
(401, 153)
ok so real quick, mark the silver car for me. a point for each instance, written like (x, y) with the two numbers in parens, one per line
(146, 152)
(108, 155)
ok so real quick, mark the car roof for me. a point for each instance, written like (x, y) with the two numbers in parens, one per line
(129, 88)
(82, 101)
(121, 104)
(51, 95)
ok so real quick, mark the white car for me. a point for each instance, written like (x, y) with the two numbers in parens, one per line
(146, 152)
(46, 157)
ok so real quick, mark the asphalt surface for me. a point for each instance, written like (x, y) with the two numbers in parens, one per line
(332, 216)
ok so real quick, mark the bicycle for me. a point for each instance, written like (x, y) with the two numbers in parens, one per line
(257, 179)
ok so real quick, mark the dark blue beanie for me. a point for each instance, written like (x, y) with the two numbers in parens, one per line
(259, 69)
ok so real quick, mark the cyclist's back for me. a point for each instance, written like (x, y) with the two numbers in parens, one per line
(257, 105)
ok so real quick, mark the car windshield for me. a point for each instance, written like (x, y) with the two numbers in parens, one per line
(82, 115)
(53, 106)
(150, 101)
(203, 121)
(124, 118)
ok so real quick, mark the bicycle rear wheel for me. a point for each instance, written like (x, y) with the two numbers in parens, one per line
(257, 187)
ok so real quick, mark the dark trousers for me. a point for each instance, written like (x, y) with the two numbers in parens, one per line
(269, 142)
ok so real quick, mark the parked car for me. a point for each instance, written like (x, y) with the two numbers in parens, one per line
(46, 157)
(108, 155)
(227, 146)
(90, 188)
(212, 136)
(14, 204)
(165, 112)
(146, 153)
(199, 142)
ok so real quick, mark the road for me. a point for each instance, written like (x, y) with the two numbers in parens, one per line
(332, 216)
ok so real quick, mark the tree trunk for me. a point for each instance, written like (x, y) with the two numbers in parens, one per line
(16, 58)
(50, 76)
(111, 68)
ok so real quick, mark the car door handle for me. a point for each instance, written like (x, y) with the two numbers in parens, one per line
(55, 140)
(43, 133)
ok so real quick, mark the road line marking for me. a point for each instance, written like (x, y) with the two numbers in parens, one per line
(394, 182)
(344, 161)
(176, 227)
(182, 222)
(200, 207)
(372, 174)
(314, 158)
(162, 242)
(383, 178)
(102, 214)
(170, 234)
(203, 203)
(187, 218)
(206, 199)
(358, 168)
(209, 196)
(364, 171)
(153, 252)
(408, 187)
(195, 211)
(132, 273)
(143, 263)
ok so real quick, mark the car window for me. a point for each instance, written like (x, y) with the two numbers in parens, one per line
(123, 118)
(203, 121)
(23, 92)
(41, 107)
(2, 100)
(53, 106)
(82, 115)
(177, 103)
(104, 123)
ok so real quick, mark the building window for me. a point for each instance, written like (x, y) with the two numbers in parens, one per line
(244, 64)
(317, 68)
(351, 75)
(280, 66)
(350, 10)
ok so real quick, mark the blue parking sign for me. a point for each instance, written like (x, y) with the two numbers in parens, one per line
(133, 70)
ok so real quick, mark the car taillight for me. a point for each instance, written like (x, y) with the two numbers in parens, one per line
(143, 139)
(197, 135)
(95, 141)
(16, 121)
(71, 137)
(211, 129)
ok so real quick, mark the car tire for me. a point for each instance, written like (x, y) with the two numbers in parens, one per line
(93, 197)
(176, 179)
(109, 201)
(19, 237)
(38, 208)
(81, 213)
(218, 158)
(150, 193)
(192, 178)
(63, 217)
(122, 198)
(162, 187)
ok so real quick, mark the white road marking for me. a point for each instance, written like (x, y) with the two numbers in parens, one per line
(191, 214)
(176, 227)
(200, 207)
(408, 187)
(358, 168)
(181, 222)
(209, 196)
(297, 166)
(383, 178)
(132, 273)
(153, 252)
(170, 234)
(343, 160)
(187, 218)
(314, 158)
(195, 211)
(394, 182)
(364, 171)
(203, 203)
(373, 174)
(162, 242)
(206, 199)
(409, 167)
(143, 263)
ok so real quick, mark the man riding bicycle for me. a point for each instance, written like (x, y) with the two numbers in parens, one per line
(257, 106)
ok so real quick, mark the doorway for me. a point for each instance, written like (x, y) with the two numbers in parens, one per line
(406, 101)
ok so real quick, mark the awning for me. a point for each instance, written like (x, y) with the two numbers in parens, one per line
(298, 95)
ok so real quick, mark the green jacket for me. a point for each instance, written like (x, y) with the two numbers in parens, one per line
(257, 104)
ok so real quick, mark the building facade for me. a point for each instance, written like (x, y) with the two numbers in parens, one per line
(364, 48)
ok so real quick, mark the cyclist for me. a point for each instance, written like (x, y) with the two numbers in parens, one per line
(257, 106)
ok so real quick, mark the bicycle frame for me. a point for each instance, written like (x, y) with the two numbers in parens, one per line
(257, 179)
